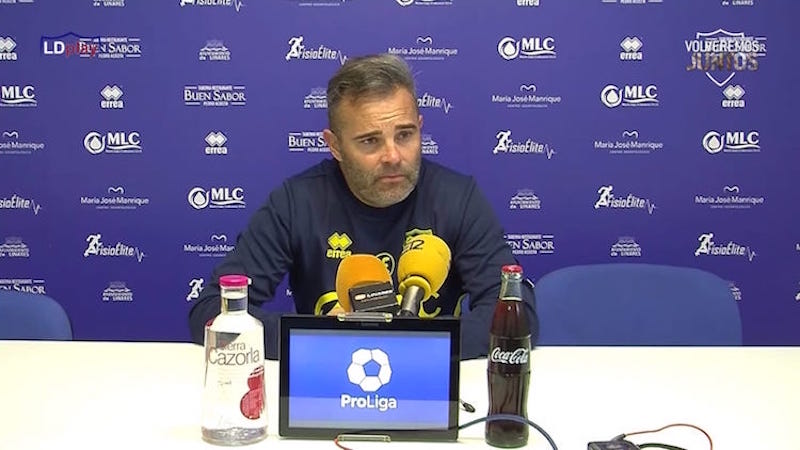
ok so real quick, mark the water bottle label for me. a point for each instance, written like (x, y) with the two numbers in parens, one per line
(234, 393)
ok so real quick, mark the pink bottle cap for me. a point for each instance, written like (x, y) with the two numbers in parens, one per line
(512, 268)
(233, 281)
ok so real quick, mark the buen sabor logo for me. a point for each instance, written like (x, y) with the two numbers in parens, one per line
(357, 375)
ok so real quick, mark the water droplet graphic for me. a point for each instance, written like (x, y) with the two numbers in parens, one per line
(199, 199)
(612, 98)
(714, 143)
(96, 144)
(509, 49)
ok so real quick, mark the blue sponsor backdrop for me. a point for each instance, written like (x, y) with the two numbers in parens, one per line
(138, 137)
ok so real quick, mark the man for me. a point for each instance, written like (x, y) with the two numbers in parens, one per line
(377, 193)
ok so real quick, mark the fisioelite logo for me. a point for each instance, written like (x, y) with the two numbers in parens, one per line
(507, 145)
(218, 4)
(707, 247)
(738, 141)
(195, 286)
(113, 142)
(216, 197)
(18, 96)
(299, 51)
(607, 199)
(429, 101)
(376, 362)
(20, 203)
(629, 95)
(96, 247)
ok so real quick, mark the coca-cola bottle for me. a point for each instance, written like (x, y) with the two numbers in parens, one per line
(509, 369)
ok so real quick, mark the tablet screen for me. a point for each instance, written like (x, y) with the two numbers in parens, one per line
(361, 379)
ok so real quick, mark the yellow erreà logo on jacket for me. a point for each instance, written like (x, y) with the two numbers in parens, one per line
(338, 244)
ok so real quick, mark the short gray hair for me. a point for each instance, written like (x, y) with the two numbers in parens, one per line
(366, 77)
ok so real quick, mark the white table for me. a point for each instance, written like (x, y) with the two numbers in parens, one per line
(111, 395)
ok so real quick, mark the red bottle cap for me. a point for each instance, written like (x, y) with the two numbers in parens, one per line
(234, 281)
(512, 268)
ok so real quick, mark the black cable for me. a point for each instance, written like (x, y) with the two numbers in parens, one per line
(658, 445)
(514, 418)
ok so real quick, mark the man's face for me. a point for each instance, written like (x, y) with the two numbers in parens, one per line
(378, 146)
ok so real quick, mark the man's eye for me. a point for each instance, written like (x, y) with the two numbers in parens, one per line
(404, 135)
(368, 141)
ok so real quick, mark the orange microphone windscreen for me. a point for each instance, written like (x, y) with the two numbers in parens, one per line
(356, 270)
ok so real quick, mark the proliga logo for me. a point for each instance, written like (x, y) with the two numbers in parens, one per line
(357, 375)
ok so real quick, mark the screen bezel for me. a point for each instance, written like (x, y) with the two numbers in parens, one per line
(398, 324)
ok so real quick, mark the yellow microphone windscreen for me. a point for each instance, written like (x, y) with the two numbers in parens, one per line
(426, 256)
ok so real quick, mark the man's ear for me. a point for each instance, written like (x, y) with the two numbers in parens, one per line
(333, 143)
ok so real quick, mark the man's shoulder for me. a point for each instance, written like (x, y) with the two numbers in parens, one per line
(439, 177)
(318, 171)
(319, 176)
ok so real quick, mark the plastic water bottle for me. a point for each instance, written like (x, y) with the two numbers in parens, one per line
(234, 400)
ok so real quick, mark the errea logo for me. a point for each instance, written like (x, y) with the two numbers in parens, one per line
(338, 246)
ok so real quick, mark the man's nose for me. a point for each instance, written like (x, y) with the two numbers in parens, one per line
(391, 153)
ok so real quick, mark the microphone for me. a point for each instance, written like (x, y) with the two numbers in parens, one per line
(421, 271)
(363, 284)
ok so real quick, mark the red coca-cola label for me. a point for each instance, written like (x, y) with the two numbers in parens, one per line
(509, 355)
